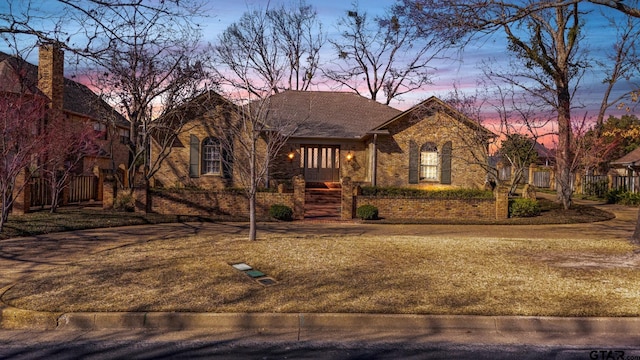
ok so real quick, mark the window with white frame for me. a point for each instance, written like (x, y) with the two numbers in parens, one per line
(211, 156)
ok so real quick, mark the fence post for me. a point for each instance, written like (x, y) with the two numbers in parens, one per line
(346, 206)
(502, 202)
(108, 193)
(22, 200)
(298, 197)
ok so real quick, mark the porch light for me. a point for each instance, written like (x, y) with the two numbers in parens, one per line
(291, 155)
(349, 156)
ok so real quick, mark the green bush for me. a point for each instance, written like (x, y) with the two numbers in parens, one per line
(125, 201)
(613, 196)
(367, 212)
(630, 199)
(429, 194)
(524, 208)
(281, 212)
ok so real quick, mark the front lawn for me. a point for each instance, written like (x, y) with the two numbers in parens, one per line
(340, 273)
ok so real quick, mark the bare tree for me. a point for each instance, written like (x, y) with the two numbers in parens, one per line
(545, 38)
(153, 65)
(69, 144)
(253, 139)
(22, 113)
(268, 51)
(621, 64)
(382, 56)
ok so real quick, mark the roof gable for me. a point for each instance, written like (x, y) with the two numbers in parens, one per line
(433, 104)
(630, 159)
(323, 114)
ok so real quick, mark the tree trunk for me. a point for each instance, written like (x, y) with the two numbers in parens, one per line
(635, 238)
(563, 154)
(252, 217)
(253, 189)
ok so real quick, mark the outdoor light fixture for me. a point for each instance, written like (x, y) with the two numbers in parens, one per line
(349, 156)
(291, 155)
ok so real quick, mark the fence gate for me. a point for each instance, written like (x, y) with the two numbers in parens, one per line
(81, 188)
(542, 179)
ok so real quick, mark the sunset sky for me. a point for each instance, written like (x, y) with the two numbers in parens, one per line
(463, 71)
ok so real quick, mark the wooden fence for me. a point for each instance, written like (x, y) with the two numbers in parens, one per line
(599, 185)
(80, 188)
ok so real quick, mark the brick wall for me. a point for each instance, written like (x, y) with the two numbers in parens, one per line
(212, 203)
(417, 209)
(438, 128)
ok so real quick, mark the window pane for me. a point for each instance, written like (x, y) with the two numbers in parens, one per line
(428, 165)
(211, 159)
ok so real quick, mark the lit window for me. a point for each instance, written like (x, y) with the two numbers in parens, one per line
(429, 162)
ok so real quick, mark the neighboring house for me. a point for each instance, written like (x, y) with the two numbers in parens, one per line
(341, 135)
(76, 102)
(629, 166)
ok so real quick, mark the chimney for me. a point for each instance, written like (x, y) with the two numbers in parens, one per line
(51, 74)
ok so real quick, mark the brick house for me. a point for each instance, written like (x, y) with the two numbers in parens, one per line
(341, 135)
(76, 102)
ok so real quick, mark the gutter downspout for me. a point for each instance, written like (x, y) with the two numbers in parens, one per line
(374, 161)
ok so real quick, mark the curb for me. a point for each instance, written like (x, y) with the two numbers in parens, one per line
(305, 326)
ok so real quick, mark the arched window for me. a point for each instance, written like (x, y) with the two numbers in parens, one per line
(211, 156)
(429, 162)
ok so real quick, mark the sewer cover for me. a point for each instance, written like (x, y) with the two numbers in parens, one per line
(255, 273)
(242, 267)
(266, 281)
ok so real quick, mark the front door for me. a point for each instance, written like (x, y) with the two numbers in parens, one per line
(321, 163)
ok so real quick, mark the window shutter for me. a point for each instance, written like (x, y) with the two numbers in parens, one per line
(414, 162)
(445, 174)
(194, 156)
(227, 163)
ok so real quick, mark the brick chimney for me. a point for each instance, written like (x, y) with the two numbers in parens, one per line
(51, 74)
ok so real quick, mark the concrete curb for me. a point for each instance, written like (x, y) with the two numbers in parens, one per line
(308, 326)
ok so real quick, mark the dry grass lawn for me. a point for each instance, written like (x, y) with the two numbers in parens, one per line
(376, 274)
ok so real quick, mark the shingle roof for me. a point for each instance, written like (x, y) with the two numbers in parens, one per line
(78, 98)
(337, 115)
(435, 104)
(631, 159)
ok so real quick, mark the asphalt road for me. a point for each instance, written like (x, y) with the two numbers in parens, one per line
(189, 345)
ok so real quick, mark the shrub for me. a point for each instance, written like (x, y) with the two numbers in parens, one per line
(367, 212)
(524, 208)
(124, 201)
(630, 199)
(281, 212)
(613, 196)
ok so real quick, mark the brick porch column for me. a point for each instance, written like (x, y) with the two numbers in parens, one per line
(346, 208)
(298, 197)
